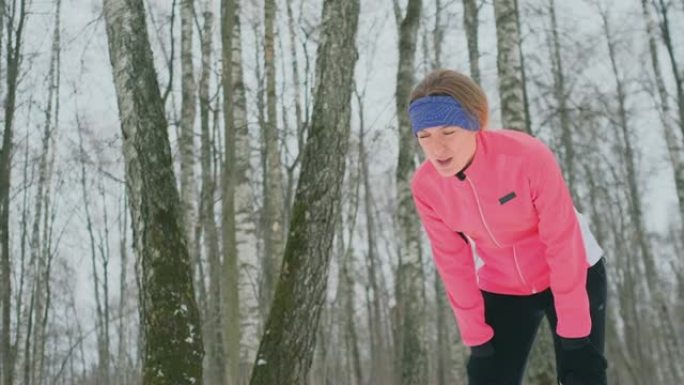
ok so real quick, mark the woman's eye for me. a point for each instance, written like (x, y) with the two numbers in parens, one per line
(449, 132)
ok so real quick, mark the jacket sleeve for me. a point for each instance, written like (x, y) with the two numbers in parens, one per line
(559, 230)
(453, 258)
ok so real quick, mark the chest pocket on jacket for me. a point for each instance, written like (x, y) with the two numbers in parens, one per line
(511, 195)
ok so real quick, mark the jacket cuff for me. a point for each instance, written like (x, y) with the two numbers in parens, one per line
(574, 343)
(483, 350)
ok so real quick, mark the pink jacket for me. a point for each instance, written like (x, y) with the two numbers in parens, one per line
(513, 203)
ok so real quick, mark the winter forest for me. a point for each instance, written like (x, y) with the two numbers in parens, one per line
(217, 191)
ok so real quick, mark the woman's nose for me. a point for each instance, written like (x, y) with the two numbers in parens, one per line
(440, 147)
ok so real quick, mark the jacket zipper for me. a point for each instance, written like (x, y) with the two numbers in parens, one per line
(491, 235)
(522, 277)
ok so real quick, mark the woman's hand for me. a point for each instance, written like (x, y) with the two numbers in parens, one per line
(582, 363)
(481, 365)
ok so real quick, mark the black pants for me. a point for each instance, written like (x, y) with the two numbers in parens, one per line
(515, 320)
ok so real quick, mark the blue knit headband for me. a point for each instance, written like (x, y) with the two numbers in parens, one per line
(440, 110)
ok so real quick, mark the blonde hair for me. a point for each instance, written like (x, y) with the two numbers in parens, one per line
(460, 87)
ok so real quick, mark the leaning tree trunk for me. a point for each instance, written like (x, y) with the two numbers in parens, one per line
(172, 341)
(286, 350)
(511, 87)
(411, 346)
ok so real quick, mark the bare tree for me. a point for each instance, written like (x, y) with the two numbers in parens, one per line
(411, 349)
(186, 141)
(245, 223)
(16, 19)
(101, 301)
(560, 94)
(511, 82)
(215, 373)
(663, 8)
(172, 337)
(674, 146)
(379, 338)
(471, 21)
(230, 301)
(285, 352)
(631, 292)
(273, 179)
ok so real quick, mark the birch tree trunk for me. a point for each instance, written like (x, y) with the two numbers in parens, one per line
(273, 178)
(286, 350)
(437, 35)
(472, 22)
(14, 56)
(442, 354)
(172, 341)
(295, 72)
(511, 87)
(214, 347)
(187, 124)
(229, 287)
(245, 224)
(411, 347)
(124, 368)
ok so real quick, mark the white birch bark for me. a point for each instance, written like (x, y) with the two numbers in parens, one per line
(509, 66)
(186, 141)
(245, 225)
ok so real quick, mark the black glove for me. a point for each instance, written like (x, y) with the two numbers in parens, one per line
(481, 365)
(582, 363)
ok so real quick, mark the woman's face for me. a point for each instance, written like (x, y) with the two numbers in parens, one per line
(449, 148)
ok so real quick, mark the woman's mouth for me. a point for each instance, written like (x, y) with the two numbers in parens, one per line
(444, 162)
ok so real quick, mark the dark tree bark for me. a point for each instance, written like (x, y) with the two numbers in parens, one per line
(15, 22)
(172, 341)
(286, 350)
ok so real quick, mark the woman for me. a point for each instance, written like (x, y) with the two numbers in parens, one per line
(501, 194)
